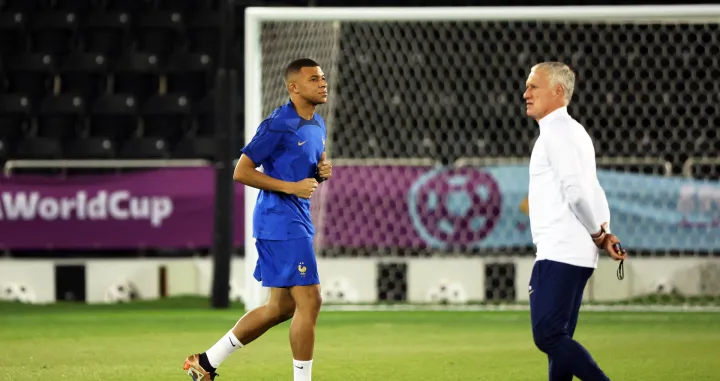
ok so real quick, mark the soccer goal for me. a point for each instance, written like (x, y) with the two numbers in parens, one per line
(427, 204)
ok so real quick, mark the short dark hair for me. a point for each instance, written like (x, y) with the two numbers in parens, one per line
(297, 65)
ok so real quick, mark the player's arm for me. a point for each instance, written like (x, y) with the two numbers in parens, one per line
(565, 160)
(265, 142)
(246, 174)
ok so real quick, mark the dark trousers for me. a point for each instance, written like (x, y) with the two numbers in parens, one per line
(556, 292)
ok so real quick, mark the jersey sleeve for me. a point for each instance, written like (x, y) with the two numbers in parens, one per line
(263, 144)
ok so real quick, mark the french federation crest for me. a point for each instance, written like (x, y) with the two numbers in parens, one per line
(454, 206)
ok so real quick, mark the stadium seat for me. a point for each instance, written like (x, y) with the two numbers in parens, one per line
(190, 74)
(80, 7)
(188, 6)
(205, 119)
(144, 148)
(203, 33)
(30, 74)
(104, 32)
(196, 148)
(130, 6)
(53, 32)
(90, 148)
(166, 116)
(83, 74)
(38, 148)
(15, 115)
(12, 33)
(137, 74)
(25, 6)
(61, 116)
(158, 32)
(114, 117)
(182, 6)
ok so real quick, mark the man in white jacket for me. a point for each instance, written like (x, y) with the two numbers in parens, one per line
(569, 221)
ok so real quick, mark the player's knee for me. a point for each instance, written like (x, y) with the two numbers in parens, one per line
(313, 303)
(317, 301)
(311, 300)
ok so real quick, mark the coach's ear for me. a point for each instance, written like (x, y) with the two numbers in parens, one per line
(559, 91)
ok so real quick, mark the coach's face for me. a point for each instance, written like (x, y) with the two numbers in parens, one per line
(310, 84)
(540, 97)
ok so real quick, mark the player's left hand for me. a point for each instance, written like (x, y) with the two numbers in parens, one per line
(324, 167)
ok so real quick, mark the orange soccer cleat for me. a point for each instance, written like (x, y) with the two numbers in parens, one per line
(194, 370)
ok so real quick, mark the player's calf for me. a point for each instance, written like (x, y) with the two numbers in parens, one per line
(258, 321)
(308, 300)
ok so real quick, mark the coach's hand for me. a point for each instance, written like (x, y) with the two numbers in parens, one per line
(324, 167)
(610, 243)
(304, 188)
(611, 246)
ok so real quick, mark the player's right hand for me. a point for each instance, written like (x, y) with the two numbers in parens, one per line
(305, 188)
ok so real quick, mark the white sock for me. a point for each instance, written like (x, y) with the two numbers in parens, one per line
(222, 349)
(302, 370)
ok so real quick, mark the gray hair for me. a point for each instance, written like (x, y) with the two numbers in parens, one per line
(560, 74)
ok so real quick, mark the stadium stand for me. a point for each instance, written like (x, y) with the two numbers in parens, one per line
(106, 79)
(72, 70)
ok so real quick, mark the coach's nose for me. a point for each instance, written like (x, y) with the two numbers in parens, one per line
(526, 94)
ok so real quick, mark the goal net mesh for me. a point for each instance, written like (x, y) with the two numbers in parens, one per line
(430, 146)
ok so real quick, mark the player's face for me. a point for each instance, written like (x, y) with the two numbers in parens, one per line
(311, 85)
(540, 97)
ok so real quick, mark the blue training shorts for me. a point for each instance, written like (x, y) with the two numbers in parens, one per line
(286, 263)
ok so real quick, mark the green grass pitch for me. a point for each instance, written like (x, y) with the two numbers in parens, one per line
(148, 341)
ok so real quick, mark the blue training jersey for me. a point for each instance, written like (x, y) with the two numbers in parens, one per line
(289, 148)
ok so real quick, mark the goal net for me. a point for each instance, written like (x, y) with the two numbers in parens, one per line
(430, 145)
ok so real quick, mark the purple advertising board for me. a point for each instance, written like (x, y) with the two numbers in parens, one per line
(162, 208)
(407, 206)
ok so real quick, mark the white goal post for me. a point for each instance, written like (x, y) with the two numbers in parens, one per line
(256, 16)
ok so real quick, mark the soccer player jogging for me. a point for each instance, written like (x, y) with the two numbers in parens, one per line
(569, 221)
(290, 145)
